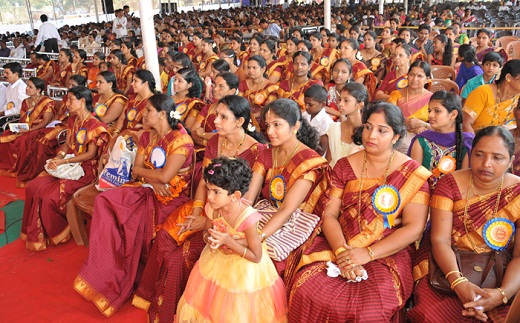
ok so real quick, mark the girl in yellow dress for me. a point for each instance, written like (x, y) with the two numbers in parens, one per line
(234, 279)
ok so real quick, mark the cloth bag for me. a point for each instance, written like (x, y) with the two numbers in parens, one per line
(72, 171)
(118, 169)
(485, 270)
(291, 235)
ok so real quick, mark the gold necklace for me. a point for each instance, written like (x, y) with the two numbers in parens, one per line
(468, 223)
(363, 172)
(224, 144)
(422, 92)
(275, 159)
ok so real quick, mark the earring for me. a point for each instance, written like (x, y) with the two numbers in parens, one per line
(295, 131)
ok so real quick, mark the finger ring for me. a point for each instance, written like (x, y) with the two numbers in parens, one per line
(348, 260)
(352, 272)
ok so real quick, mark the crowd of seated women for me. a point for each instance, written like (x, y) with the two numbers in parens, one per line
(342, 125)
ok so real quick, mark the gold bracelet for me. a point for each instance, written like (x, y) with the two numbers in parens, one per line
(62, 153)
(198, 203)
(339, 250)
(116, 131)
(458, 281)
(204, 142)
(205, 236)
(452, 272)
(504, 297)
(371, 253)
(245, 251)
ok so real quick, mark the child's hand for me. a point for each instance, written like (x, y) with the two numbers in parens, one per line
(218, 238)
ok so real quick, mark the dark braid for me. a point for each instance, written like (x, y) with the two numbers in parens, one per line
(459, 141)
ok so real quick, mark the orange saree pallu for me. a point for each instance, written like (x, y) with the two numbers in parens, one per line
(316, 297)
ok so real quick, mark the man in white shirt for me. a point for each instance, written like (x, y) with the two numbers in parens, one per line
(49, 35)
(15, 92)
(19, 49)
(119, 24)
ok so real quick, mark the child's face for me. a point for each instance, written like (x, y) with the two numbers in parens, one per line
(217, 197)
(347, 104)
(103, 67)
(491, 68)
(312, 106)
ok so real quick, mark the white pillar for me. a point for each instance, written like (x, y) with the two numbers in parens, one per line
(96, 9)
(381, 3)
(29, 13)
(149, 45)
(406, 6)
(327, 14)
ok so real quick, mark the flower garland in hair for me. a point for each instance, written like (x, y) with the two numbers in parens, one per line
(175, 115)
(251, 128)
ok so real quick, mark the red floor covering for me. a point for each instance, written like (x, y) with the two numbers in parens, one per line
(37, 286)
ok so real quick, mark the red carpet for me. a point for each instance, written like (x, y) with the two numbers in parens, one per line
(37, 286)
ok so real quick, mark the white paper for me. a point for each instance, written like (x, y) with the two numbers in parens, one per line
(53, 124)
(16, 127)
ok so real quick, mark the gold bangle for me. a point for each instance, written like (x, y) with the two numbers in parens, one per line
(204, 142)
(371, 253)
(504, 297)
(339, 250)
(203, 135)
(62, 153)
(198, 203)
(245, 251)
(205, 236)
(116, 131)
(458, 281)
(452, 272)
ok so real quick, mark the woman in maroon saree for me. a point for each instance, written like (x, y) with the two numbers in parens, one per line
(125, 219)
(31, 160)
(474, 210)
(377, 208)
(44, 221)
(175, 252)
(37, 111)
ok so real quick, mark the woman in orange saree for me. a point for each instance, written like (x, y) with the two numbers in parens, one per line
(37, 111)
(295, 87)
(109, 103)
(377, 207)
(348, 49)
(125, 219)
(177, 248)
(187, 88)
(63, 70)
(93, 71)
(45, 69)
(474, 210)
(273, 66)
(44, 220)
(124, 73)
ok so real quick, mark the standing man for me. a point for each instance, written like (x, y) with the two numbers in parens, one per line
(15, 92)
(49, 35)
(119, 24)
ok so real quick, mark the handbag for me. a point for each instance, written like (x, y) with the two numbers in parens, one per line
(291, 235)
(485, 270)
(118, 169)
(72, 171)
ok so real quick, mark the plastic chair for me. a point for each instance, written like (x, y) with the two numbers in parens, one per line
(513, 50)
(446, 85)
(443, 72)
(503, 41)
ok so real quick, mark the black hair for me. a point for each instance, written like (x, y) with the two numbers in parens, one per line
(512, 67)
(261, 62)
(67, 52)
(82, 54)
(182, 59)
(83, 92)
(231, 79)
(290, 111)
(271, 45)
(352, 42)
(230, 174)
(306, 43)
(316, 92)
(130, 46)
(423, 65)
(447, 56)
(507, 137)
(424, 26)
(198, 34)
(358, 91)
(190, 76)
(468, 53)
(110, 77)
(307, 56)
(230, 54)
(38, 83)
(393, 117)
(15, 68)
(403, 30)
(146, 76)
(240, 108)
(79, 79)
(451, 102)
(316, 35)
(327, 32)
(45, 57)
(210, 42)
(163, 102)
(399, 41)
(371, 34)
(120, 56)
(100, 55)
(452, 29)
(220, 65)
(257, 38)
(486, 31)
(493, 57)
(44, 18)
